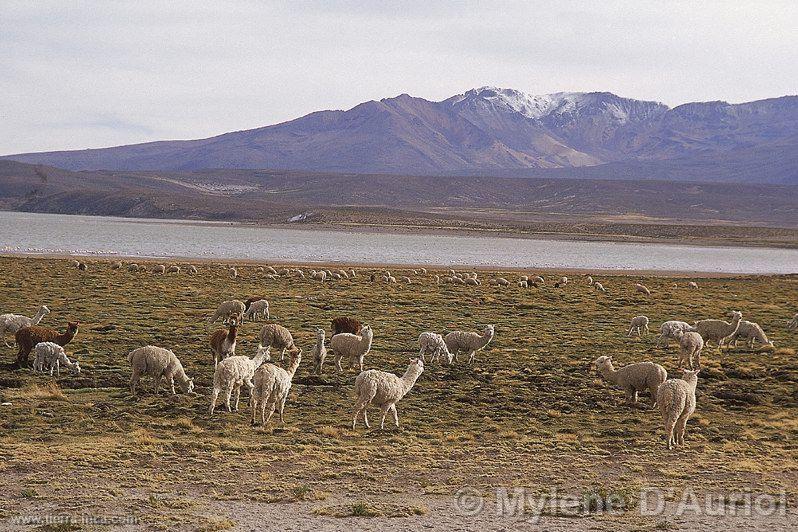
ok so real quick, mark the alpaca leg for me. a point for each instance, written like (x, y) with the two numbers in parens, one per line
(172, 385)
(338, 363)
(255, 407)
(395, 415)
(384, 410)
(681, 425)
(280, 410)
(282, 354)
(237, 391)
(360, 406)
(646, 329)
(670, 423)
(471, 356)
(134, 380)
(228, 393)
(214, 398)
(360, 361)
(631, 396)
(263, 405)
(630, 332)
(271, 412)
(3, 334)
(365, 416)
(421, 354)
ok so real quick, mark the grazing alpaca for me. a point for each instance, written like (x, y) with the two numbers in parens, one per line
(319, 352)
(384, 390)
(28, 337)
(11, 323)
(223, 343)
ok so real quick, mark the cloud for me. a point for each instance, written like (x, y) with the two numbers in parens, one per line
(105, 73)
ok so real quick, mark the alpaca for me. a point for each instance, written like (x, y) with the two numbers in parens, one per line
(11, 323)
(232, 373)
(223, 343)
(345, 324)
(319, 352)
(28, 337)
(353, 346)
(718, 331)
(469, 342)
(272, 384)
(385, 390)
(676, 402)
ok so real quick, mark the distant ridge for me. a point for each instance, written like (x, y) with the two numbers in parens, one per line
(491, 130)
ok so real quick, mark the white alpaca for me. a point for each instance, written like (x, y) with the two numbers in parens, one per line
(173, 269)
(672, 330)
(278, 337)
(353, 346)
(638, 323)
(158, 363)
(319, 352)
(676, 402)
(258, 308)
(599, 287)
(718, 331)
(384, 390)
(690, 346)
(642, 289)
(232, 373)
(11, 323)
(431, 342)
(468, 342)
(229, 310)
(50, 355)
(634, 378)
(272, 384)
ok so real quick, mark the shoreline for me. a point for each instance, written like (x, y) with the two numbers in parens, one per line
(376, 266)
(486, 231)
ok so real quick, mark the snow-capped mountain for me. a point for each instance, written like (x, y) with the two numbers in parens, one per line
(484, 130)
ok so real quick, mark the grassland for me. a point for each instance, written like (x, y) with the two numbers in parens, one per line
(529, 413)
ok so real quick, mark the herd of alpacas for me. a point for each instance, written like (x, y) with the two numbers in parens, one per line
(269, 384)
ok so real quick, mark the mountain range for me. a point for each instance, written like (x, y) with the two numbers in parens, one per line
(493, 131)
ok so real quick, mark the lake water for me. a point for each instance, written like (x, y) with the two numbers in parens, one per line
(95, 235)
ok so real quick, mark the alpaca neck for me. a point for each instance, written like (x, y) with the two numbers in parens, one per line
(609, 373)
(409, 378)
(486, 338)
(232, 333)
(260, 358)
(38, 317)
(291, 369)
(65, 338)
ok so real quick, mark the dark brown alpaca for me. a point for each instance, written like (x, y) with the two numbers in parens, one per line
(223, 343)
(345, 324)
(28, 337)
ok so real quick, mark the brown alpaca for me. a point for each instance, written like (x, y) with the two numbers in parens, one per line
(28, 337)
(223, 343)
(345, 324)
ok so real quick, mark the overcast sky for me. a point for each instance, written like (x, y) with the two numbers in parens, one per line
(92, 74)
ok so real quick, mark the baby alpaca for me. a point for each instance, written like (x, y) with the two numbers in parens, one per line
(257, 308)
(468, 342)
(676, 401)
(319, 352)
(430, 342)
(158, 363)
(638, 322)
(272, 384)
(690, 346)
(384, 390)
(51, 355)
(633, 378)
